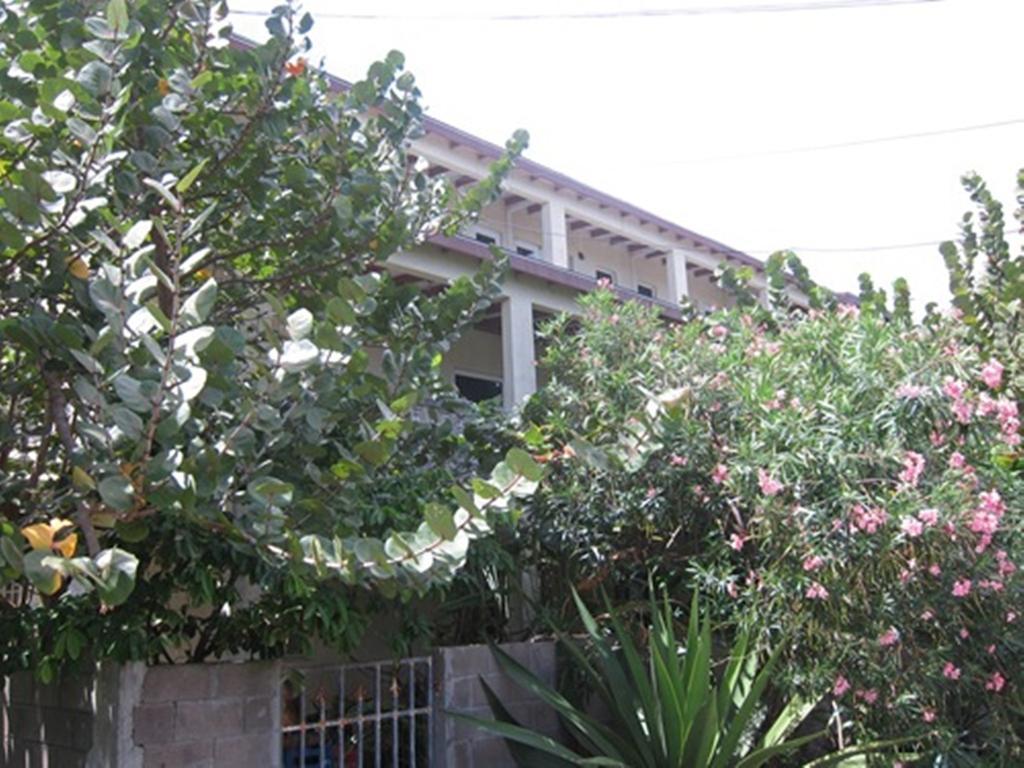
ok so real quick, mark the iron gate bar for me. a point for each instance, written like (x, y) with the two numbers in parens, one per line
(365, 716)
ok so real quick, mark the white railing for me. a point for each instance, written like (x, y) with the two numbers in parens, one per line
(377, 714)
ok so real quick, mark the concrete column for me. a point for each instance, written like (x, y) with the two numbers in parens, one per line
(678, 282)
(556, 238)
(519, 374)
(509, 235)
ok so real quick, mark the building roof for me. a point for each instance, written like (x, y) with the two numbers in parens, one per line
(460, 138)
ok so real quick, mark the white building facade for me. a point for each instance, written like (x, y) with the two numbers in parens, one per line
(562, 237)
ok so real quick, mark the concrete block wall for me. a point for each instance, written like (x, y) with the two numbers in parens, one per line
(206, 715)
(458, 672)
(133, 716)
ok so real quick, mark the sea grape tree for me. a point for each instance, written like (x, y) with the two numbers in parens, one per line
(220, 411)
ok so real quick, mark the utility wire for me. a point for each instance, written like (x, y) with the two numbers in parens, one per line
(864, 249)
(843, 144)
(710, 10)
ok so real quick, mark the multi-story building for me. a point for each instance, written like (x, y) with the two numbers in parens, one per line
(562, 237)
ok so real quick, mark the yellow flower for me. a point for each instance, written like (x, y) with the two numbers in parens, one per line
(42, 535)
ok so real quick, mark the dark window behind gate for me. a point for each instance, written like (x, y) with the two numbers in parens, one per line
(374, 715)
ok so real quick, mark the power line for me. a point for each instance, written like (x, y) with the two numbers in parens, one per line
(822, 5)
(844, 144)
(864, 249)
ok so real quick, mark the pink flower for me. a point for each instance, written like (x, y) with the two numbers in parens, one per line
(737, 540)
(995, 682)
(992, 503)
(719, 331)
(912, 527)
(720, 474)
(813, 562)
(928, 715)
(913, 467)
(935, 569)
(927, 615)
(991, 650)
(992, 374)
(964, 633)
(891, 636)
(962, 411)
(870, 696)
(769, 486)
(678, 461)
(957, 460)
(961, 588)
(928, 516)
(841, 686)
(910, 391)
(869, 520)
(816, 592)
(954, 388)
(1011, 616)
(951, 671)
(652, 493)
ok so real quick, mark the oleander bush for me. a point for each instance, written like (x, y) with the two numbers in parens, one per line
(843, 477)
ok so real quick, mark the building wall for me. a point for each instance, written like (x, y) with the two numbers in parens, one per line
(477, 353)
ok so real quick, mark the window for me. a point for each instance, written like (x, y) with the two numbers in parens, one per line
(477, 388)
(604, 274)
(524, 248)
(484, 235)
(645, 290)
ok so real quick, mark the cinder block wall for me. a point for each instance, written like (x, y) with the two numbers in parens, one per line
(207, 715)
(133, 716)
(458, 671)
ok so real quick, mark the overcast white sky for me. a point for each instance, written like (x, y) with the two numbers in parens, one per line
(693, 116)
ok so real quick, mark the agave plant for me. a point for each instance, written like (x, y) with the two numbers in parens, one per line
(666, 709)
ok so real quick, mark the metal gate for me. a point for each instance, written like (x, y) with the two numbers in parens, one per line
(373, 715)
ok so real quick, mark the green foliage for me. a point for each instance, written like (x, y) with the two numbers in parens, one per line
(665, 707)
(987, 282)
(832, 476)
(208, 373)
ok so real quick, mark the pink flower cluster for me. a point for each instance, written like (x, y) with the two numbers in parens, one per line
(961, 588)
(869, 520)
(992, 374)
(890, 637)
(911, 391)
(719, 474)
(913, 468)
(985, 518)
(769, 486)
(813, 562)
(1006, 413)
(816, 592)
(956, 391)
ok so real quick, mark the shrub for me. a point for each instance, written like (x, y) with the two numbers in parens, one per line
(841, 477)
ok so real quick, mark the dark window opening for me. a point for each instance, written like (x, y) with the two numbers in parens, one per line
(476, 389)
(645, 290)
(486, 239)
(600, 274)
(522, 250)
